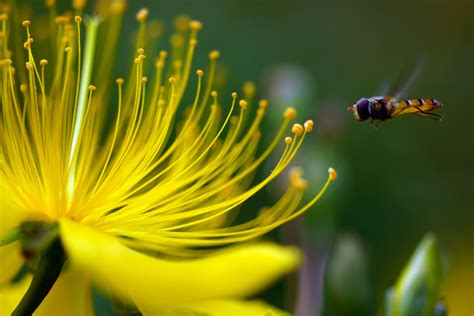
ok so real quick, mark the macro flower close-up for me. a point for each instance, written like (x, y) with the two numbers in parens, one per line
(136, 185)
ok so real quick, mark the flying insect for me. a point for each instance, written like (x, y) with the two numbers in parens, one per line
(389, 105)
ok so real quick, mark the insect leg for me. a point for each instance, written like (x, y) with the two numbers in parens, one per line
(432, 116)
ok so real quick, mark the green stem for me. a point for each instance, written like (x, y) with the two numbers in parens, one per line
(48, 270)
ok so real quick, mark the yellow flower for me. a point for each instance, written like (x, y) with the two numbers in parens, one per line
(139, 191)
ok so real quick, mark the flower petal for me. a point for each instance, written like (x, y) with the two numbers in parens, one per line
(70, 295)
(149, 281)
(10, 255)
(216, 308)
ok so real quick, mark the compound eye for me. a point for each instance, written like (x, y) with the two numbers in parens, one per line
(362, 107)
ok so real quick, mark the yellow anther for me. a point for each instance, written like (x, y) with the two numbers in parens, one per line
(141, 51)
(263, 104)
(91, 87)
(50, 3)
(199, 73)
(290, 113)
(214, 94)
(27, 45)
(118, 6)
(234, 95)
(79, 4)
(140, 58)
(288, 140)
(78, 19)
(300, 184)
(23, 88)
(61, 19)
(144, 79)
(193, 42)
(29, 65)
(332, 174)
(160, 64)
(243, 104)
(43, 62)
(213, 108)
(297, 129)
(5, 62)
(181, 23)
(296, 172)
(308, 125)
(68, 49)
(3, 17)
(195, 25)
(172, 80)
(177, 64)
(30, 40)
(119, 81)
(163, 54)
(249, 88)
(260, 112)
(26, 23)
(142, 15)
(213, 55)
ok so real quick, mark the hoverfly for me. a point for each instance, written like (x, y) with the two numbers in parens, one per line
(381, 108)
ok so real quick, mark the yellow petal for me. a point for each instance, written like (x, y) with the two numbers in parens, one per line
(10, 255)
(70, 295)
(149, 281)
(11, 295)
(217, 308)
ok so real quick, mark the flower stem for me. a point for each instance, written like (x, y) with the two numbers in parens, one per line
(49, 267)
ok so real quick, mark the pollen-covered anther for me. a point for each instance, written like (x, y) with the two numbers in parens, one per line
(26, 23)
(50, 3)
(163, 54)
(79, 4)
(160, 64)
(62, 19)
(5, 62)
(290, 113)
(261, 112)
(91, 87)
(27, 45)
(233, 120)
(213, 55)
(195, 25)
(193, 42)
(172, 80)
(30, 40)
(140, 58)
(214, 93)
(288, 140)
(243, 104)
(29, 65)
(141, 51)
(3, 17)
(23, 88)
(78, 19)
(234, 95)
(332, 174)
(297, 129)
(119, 81)
(43, 62)
(199, 73)
(308, 125)
(142, 15)
(144, 79)
(263, 104)
(68, 49)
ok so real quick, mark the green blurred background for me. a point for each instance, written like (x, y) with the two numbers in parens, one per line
(395, 183)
